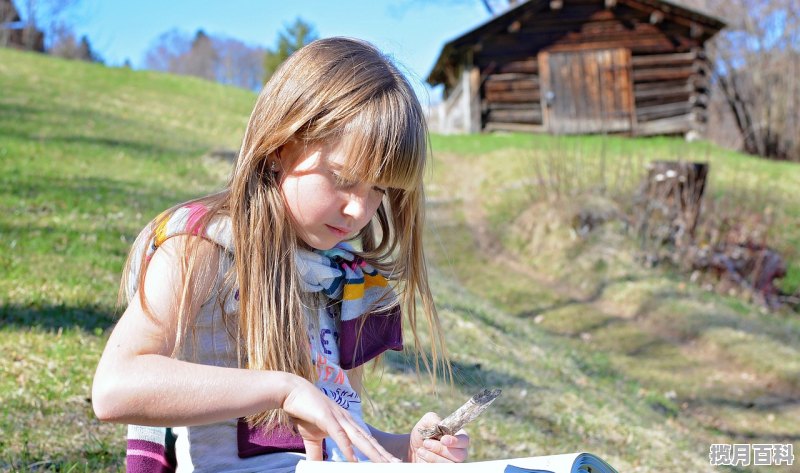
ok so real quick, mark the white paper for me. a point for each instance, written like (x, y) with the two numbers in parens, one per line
(565, 463)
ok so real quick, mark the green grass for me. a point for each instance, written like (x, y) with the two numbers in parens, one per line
(716, 369)
(87, 156)
(592, 351)
(515, 169)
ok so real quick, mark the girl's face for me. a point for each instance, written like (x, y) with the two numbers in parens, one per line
(325, 209)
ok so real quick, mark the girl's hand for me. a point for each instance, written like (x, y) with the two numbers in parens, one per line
(450, 449)
(316, 417)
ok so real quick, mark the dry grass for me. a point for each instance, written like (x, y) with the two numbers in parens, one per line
(717, 369)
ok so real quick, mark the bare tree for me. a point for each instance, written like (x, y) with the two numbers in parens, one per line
(164, 52)
(220, 59)
(201, 58)
(239, 64)
(65, 44)
(756, 71)
(492, 7)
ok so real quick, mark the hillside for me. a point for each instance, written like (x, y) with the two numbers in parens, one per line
(716, 369)
(646, 374)
(88, 155)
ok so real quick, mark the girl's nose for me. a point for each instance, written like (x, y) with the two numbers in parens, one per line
(356, 204)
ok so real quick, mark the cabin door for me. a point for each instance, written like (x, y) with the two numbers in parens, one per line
(587, 91)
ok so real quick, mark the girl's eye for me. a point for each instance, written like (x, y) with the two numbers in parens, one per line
(343, 183)
(347, 184)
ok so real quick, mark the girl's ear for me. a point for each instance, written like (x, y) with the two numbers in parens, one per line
(287, 153)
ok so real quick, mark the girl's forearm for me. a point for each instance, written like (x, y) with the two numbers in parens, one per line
(396, 444)
(161, 391)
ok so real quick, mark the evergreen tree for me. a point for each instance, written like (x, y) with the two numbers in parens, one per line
(293, 37)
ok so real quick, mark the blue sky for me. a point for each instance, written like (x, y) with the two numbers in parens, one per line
(412, 31)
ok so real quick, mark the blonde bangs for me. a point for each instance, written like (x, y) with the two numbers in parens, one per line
(386, 143)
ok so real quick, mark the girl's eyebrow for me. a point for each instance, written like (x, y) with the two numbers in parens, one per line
(334, 165)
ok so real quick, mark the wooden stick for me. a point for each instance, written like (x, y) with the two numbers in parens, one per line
(462, 416)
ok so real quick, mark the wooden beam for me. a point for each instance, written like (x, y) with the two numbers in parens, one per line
(510, 76)
(656, 17)
(507, 85)
(513, 96)
(664, 59)
(544, 86)
(533, 115)
(696, 30)
(665, 126)
(526, 66)
(475, 100)
(662, 74)
(667, 110)
(486, 105)
(523, 127)
(664, 90)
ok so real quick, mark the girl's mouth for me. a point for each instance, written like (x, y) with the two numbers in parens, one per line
(337, 231)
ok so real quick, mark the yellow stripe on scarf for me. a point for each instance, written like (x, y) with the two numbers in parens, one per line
(353, 291)
(356, 291)
(375, 281)
(161, 230)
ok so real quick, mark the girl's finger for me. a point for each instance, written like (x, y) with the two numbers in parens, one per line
(437, 452)
(347, 434)
(340, 436)
(369, 446)
(460, 440)
(313, 450)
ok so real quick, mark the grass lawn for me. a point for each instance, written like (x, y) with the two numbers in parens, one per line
(647, 372)
(723, 370)
(88, 155)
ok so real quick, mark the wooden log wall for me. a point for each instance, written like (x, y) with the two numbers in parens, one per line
(511, 96)
(670, 92)
(670, 72)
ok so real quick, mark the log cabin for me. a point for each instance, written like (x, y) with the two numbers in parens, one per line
(15, 33)
(633, 67)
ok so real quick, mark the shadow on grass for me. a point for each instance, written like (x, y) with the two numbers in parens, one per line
(16, 120)
(757, 437)
(90, 192)
(760, 405)
(468, 311)
(594, 296)
(469, 377)
(129, 145)
(54, 317)
(698, 319)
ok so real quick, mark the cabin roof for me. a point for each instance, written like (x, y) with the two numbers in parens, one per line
(455, 48)
(8, 12)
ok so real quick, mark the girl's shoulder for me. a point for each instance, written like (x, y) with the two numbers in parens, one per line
(189, 227)
(191, 220)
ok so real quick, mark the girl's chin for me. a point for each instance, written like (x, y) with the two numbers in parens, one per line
(318, 244)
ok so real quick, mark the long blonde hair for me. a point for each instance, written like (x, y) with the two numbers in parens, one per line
(336, 90)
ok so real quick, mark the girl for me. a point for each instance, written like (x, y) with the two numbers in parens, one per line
(248, 318)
